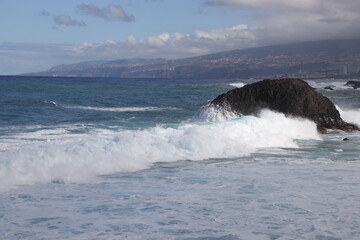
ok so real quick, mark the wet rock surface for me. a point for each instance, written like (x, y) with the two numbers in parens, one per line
(290, 96)
(354, 84)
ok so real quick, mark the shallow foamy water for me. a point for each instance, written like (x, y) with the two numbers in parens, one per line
(244, 198)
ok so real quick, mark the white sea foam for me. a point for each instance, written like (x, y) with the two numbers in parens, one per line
(120, 109)
(350, 115)
(50, 102)
(336, 85)
(212, 113)
(110, 109)
(78, 158)
(237, 84)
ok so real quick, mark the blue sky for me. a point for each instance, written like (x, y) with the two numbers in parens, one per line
(150, 18)
(38, 34)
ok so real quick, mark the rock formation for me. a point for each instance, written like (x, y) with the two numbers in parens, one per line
(354, 84)
(289, 96)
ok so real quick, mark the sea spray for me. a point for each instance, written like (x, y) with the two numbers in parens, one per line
(334, 85)
(350, 115)
(211, 113)
(79, 158)
(237, 84)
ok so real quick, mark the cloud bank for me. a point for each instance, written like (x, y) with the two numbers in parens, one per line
(170, 46)
(306, 20)
(280, 21)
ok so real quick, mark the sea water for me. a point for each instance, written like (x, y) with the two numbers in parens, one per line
(107, 158)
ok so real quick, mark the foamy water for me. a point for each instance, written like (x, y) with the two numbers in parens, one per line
(238, 84)
(149, 159)
(333, 84)
(121, 109)
(350, 115)
(211, 113)
(79, 158)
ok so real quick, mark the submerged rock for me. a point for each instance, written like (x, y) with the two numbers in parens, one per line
(329, 88)
(289, 96)
(354, 84)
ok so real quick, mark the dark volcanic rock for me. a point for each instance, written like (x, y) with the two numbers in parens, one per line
(289, 96)
(354, 84)
(329, 88)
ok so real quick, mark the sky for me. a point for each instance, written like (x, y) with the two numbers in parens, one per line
(36, 35)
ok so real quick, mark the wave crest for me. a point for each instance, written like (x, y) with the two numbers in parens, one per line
(120, 109)
(76, 159)
(238, 84)
(212, 113)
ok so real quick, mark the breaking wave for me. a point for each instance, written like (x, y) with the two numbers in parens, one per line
(121, 109)
(212, 113)
(336, 85)
(108, 109)
(350, 115)
(79, 158)
(237, 84)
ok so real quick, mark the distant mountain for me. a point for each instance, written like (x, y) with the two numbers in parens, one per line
(66, 67)
(320, 57)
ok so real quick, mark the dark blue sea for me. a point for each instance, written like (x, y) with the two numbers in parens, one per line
(112, 158)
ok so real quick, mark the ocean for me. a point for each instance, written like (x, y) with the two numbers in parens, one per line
(108, 158)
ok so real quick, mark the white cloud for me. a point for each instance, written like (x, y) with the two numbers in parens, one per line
(111, 12)
(166, 45)
(67, 21)
(286, 21)
(293, 21)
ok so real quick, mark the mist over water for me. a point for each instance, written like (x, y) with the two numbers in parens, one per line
(150, 159)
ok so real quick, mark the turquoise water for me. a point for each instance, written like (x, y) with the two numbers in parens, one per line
(88, 158)
(106, 102)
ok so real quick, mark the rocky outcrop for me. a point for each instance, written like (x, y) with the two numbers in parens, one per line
(289, 96)
(354, 84)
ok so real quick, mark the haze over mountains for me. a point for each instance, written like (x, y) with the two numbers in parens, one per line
(308, 59)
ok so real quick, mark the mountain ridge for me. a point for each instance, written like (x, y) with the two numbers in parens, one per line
(309, 57)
